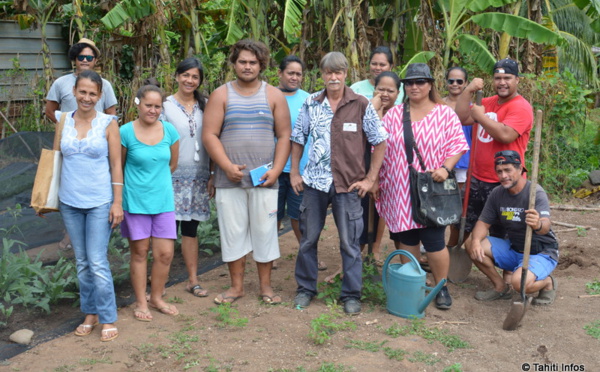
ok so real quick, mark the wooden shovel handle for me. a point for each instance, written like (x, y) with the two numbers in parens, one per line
(532, 190)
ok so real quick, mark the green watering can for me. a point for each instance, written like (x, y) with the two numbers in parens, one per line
(404, 286)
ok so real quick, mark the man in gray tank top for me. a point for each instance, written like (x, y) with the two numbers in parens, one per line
(242, 120)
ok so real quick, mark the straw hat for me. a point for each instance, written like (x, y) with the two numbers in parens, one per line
(91, 44)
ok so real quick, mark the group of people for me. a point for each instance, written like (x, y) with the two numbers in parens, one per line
(263, 151)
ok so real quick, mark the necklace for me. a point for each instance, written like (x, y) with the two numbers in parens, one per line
(184, 103)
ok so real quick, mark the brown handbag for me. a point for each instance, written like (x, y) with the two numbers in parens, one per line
(44, 196)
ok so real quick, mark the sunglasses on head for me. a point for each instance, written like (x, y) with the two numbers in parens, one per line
(457, 81)
(81, 57)
(419, 82)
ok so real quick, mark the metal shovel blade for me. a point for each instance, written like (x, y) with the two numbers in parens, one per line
(516, 314)
(460, 264)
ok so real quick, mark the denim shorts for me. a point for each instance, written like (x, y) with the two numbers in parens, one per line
(288, 197)
(506, 258)
(143, 226)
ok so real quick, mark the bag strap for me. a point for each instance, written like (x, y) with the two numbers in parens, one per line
(409, 138)
(58, 132)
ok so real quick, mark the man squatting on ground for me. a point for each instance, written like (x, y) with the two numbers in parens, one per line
(240, 121)
(507, 205)
(339, 123)
(505, 122)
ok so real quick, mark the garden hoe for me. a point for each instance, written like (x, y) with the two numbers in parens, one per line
(460, 261)
(518, 308)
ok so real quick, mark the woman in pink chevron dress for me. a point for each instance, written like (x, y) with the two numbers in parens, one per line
(439, 137)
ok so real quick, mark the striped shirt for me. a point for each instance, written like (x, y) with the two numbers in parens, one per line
(247, 134)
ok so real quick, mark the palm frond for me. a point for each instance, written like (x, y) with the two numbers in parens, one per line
(578, 57)
(292, 15)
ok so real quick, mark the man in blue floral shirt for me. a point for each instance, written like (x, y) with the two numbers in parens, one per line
(341, 125)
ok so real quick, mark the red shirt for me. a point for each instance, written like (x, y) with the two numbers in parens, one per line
(517, 114)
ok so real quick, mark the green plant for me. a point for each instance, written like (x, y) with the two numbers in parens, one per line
(593, 288)
(92, 361)
(331, 367)
(593, 329)
(421, 357)
(228, 316)
(323, 326)
(119, 257)
(372, 291)
(60, 281)
(417, 327)
(180, 346)
(395, 354)
(569, 152)
(5, 313)
(208, 231)
(175, 300)
(365, 345)
(456, 367)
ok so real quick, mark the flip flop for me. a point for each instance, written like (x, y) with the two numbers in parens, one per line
(197, 291)
(322, 266)
(106, 339)
(270, 300)
(145, 314)
(167, 310)
(87, 329)
(225, 299)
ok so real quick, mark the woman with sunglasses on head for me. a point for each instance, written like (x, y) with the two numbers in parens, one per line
(381, 60)
(438, 136)
(90, 195)
(192, 181)
(150, 149)
(457, 79)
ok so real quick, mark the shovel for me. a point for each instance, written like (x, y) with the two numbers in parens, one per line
(460, 262)
(518, 308)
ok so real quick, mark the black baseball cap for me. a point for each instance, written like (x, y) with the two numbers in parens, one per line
(508, 157)
(506, 66)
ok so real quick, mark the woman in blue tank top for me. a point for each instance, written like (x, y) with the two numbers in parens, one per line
(90, 201)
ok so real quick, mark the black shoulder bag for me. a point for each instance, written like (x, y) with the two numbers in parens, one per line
(434, 204)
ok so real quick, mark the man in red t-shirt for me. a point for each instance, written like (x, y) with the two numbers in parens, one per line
(505, 121)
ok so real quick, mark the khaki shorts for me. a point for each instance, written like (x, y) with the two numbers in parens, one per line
(248, 223)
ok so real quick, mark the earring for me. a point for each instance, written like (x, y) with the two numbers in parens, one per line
(136, 101)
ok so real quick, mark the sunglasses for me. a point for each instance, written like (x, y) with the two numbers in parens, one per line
(419, 82)
(457, 81)
(81, 57)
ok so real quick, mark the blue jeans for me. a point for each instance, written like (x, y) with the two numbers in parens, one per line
(89, 230)
(347, 213)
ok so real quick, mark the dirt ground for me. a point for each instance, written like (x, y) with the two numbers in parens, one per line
(276, 338)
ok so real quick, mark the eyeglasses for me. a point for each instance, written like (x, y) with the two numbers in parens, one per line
(419, 82)
(81, 57)
(457, 81)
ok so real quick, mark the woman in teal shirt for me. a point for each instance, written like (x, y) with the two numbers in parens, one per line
(150, 153)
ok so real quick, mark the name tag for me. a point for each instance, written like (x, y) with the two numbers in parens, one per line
(349, 127)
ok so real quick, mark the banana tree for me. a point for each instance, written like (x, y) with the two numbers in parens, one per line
(457, 16)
